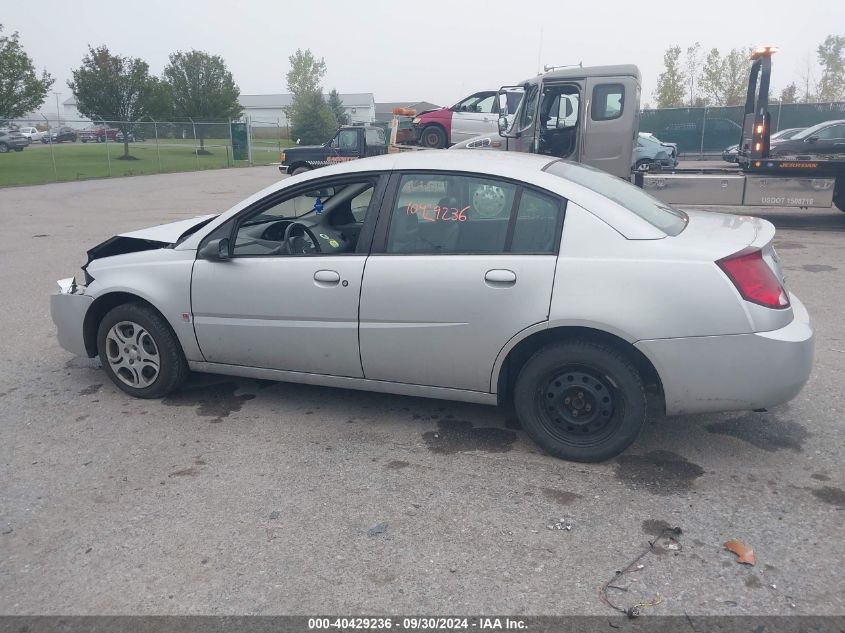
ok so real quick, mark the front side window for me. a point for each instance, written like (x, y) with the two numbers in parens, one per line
(481, 102)
(468, 214)
(831, 132)
(529, 108)
(608, 101)
(340, 208)
(346, 139)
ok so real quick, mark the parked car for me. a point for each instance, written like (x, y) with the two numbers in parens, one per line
(60, 135)
(437, 274)
(134, 136)
(349, 143)
(652, 152)
(471, 116)
(820, 140)
(12, 140)
(731, 154)
(98, 134)
(32, 133)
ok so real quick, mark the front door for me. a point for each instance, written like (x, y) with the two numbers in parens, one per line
(288, 304)
(466, 262)
(474, 116)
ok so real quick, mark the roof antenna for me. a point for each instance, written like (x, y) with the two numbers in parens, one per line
(540, 50)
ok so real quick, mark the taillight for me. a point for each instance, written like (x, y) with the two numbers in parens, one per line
(754, 279)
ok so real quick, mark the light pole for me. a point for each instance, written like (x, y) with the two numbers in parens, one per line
(58, 114)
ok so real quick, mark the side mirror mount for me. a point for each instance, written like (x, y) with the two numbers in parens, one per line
(216, 250)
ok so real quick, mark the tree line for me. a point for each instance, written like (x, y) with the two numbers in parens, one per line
(194, 86)
(691, 78)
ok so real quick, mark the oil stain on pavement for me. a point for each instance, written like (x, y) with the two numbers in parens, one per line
(658, 472)
(90, 390)
(457, 436)
(765, 432)
(215, 401)
(818, 268)
(560, 496)
(654, 527)
(831, 495)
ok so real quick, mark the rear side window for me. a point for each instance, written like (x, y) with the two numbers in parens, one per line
(374, 136)
(608, 101)
(665, 217)
(448, 213)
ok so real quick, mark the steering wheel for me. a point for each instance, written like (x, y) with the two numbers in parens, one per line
(297, 244)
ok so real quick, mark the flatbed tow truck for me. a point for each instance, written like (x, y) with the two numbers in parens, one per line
(604, 133)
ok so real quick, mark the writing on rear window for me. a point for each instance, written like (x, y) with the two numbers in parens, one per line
(433, 213)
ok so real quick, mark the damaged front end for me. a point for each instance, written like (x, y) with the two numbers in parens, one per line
(161, 236)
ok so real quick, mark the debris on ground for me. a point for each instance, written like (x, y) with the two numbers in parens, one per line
(744, 554)
(378, 528)
(560, 524)
(275, 514)
(670, 534)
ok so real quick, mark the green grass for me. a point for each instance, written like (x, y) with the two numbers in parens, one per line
(78, 161)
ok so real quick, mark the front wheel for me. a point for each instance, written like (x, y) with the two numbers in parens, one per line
(839, 194)
(301, 169)
(3, 148)
(580, 401)
(433, 136)
(19, 149)
(140, 352)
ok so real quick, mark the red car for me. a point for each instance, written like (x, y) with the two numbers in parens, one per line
(474, 115)
(98, 133)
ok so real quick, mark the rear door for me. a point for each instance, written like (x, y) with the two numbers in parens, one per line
(460, 264)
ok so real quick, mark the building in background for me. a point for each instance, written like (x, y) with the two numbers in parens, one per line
(360, 107)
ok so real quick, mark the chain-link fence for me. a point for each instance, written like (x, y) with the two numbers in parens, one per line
(81, 149)
(700, 132)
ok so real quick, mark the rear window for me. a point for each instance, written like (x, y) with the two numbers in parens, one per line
(665, 217)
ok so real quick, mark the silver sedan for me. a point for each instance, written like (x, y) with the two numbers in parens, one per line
(482, 277)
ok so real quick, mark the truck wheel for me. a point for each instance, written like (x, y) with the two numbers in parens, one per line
(433, 136)
(300, 169)
(839, 194)
(140, 352)
(580, 401)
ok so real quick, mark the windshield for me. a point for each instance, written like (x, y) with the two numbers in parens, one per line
(666, 218)
(787, 134)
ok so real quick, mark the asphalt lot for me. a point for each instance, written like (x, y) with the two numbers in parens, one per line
(234, 496)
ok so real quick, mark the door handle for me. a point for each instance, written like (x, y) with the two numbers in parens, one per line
(327, 276)
(500, 277)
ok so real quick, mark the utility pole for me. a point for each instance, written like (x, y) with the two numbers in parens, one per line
(58, 114)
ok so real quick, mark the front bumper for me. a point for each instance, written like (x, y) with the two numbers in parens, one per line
(737, 372)
(68, 310)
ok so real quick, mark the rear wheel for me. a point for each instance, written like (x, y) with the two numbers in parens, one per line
(433, 136)
(643, 164)
(580, 401)
(3, 148)
(140, 352)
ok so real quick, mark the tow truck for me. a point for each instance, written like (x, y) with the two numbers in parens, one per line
(603, 134)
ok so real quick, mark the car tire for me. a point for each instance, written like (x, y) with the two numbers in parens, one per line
(433, 137)
(839, 193)
(19, 149)
(133, 336)
(3, 148)
(300, 169)
(642, 162)
(580, 401)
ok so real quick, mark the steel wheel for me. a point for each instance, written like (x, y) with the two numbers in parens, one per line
(576, 406)
(132, 354)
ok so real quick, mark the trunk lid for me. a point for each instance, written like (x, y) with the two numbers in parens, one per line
(714, 236)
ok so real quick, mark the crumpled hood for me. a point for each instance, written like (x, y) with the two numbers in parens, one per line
(160, 236)
(171, 232)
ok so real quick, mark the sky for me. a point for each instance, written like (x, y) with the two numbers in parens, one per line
(431, 50)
